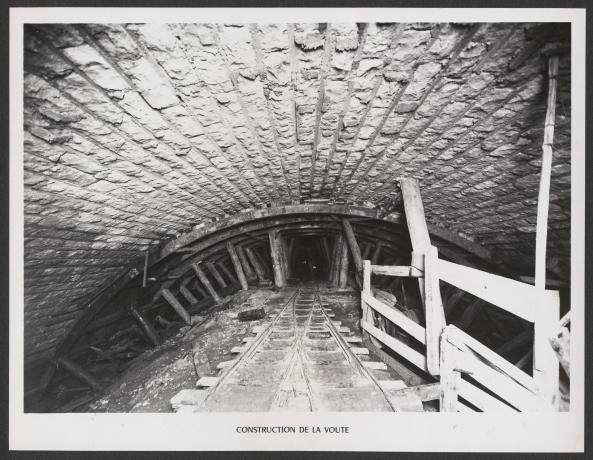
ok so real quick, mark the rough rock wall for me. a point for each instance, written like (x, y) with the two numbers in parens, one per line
(135, 133)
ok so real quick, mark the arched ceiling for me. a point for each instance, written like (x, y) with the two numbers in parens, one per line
(135, 134)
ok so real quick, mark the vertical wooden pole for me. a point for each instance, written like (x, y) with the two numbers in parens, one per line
(343, 276)
(249, 273)
(237, 265)
(543, 201)
(449, 377)
(435, 313)
(182, 312)
(78, 372)
(223, 268)
(336, 258)
(285, 256)
(366, 288)
(145, 273)
(545, 362)
(219, 279)
(256, 265)
(279, 280)
(145, 325)
(416, 225)
(206, 282)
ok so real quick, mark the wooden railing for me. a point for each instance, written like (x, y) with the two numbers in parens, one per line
(464, 366)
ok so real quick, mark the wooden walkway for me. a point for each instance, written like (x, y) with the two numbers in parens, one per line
(302, 361)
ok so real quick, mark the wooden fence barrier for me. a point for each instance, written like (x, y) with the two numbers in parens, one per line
(464, 366)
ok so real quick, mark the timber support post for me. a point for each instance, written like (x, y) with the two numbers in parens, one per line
(249, 273)
(416, 225)
(275, 249)
(354, 248)
(547, 314)
(78, 372)
(237, 265)
(142, 320)
(182, 312)
(185, 292)
(219, 279)
(255, 263)
(206, 282)
(224, 269)
(343, 275)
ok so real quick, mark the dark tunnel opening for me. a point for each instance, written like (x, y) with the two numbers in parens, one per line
(308, 262)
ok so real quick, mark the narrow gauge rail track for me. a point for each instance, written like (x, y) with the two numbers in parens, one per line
(298, 362)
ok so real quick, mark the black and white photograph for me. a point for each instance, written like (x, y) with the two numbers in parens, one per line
(298, 219)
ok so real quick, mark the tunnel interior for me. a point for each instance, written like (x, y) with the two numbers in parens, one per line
(174, 173)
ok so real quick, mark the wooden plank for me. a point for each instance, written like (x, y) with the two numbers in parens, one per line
(182, 312)
(561, 346)
(396, 270)
(359, 350)
(366, 277)
(392, 384)
(517, 298)
(481, 399)
(501, 384)
(397, 317)
(428, 392)
(206, 282)
(545, 362)
(449, 378)
(207, 381)
(215, 273)
(435, 313)
(399, 347)
(543, 200)
(237, 266)
(376, 365)
(461, 339)
(353, 339)
(225, 364)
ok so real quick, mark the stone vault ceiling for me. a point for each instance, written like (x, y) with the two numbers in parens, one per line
(135, 133)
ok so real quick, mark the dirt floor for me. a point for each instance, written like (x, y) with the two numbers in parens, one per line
(156, 375)
(192, 352)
